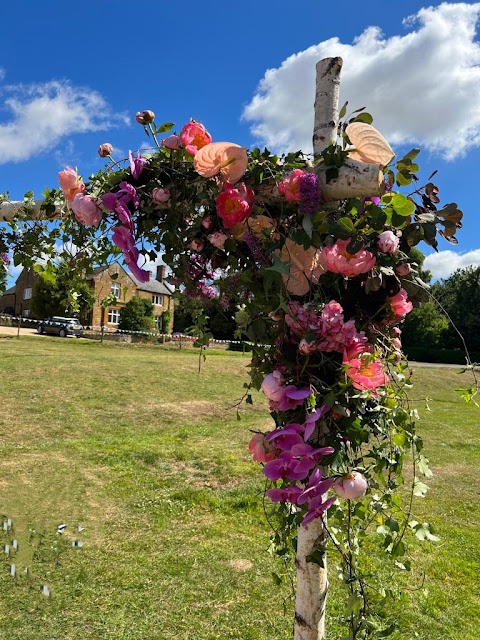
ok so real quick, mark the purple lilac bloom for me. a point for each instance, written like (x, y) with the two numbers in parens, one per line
(309, 192)
(252, 244)
(4, 257)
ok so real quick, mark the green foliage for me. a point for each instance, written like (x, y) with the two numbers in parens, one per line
(137, 315)
(61, 292)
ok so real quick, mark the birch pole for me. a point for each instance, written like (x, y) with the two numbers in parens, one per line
(355, 179)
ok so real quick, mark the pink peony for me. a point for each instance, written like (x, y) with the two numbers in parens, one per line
(401, 305)
(290, 186)
(194, 136)
(172, 142)
(70, 183)
(260, 449)
(388, 242)
(86, 210)
(234, 204)
(338, 260)
(365, 372)
(351, 486)
(160, 196)
(218, 240)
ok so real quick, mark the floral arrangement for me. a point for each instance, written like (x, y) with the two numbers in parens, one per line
(322, 289)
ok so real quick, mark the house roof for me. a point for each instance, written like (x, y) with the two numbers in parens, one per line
(152, 286)
(11, 290)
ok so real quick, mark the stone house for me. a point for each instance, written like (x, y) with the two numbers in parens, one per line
(124, 287)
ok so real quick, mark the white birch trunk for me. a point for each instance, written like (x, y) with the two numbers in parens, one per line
(9, 209)
(354, 178)
(312, 584)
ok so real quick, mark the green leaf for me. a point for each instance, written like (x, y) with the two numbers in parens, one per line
(317, 557)
(343, 111)
(307, 224)
(166, 126)
(420, 489)
(364, 117)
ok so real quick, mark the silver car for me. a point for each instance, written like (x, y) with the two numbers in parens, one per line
(63, 327)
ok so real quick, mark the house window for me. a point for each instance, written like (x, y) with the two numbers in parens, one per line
(27, 293)
(26, 313)
(115, 289)
(157, 299)
(113, 316)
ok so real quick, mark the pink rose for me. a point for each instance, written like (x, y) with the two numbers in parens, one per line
(290, 186)
(260, 449)
(144, 117)
(86, 210)
(160, 196)
(70, 183)
(172, 142)
(351, 486)
(338, 260)
(388, 242)
(365, 372)
(218, 239)
(400, 304)
(104, 150)
(403, 269)
(234, 204)
(196, 244)
(207, 222)
(273, 387)
(194, 136)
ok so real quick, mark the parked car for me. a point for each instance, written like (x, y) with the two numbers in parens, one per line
(62, 327)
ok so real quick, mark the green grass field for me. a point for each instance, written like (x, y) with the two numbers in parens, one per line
(133, 445)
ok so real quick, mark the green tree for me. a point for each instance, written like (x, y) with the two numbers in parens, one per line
(59, 292)
(459, 295)
(426, 327)
(137, 315)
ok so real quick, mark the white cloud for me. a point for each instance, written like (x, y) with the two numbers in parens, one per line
(44, 114)
(422, 87)
(444, 263)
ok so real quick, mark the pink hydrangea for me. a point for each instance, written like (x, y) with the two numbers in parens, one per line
(351, 486)
(234, 204)
(194, 136)
(86, 210)
(290, 186)
(338, 260)
(70, 183)
(400, 304)
(388, 242)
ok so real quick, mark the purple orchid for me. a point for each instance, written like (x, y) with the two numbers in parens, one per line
(311, 420)
(316, 508)
(136, 164)
(287, 437)
(286, 467)
(316, 487)
(286, 494)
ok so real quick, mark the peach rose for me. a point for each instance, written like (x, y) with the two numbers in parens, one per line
(70, 183)
(225, 158)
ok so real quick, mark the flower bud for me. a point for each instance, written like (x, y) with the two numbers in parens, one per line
(172, 142)
(104, 150)
(144, 117)
(160, 196)
(351, 486)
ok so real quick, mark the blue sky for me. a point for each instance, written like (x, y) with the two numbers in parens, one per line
(74, 74)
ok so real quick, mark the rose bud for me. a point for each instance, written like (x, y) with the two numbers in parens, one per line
(160, 196)
(351, 486)
(144, 117)
(172, 142)
(104, 150)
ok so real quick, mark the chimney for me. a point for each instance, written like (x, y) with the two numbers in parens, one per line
(160, 272)
(150, 274)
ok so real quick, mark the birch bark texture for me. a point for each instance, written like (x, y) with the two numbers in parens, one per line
(355, 179)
